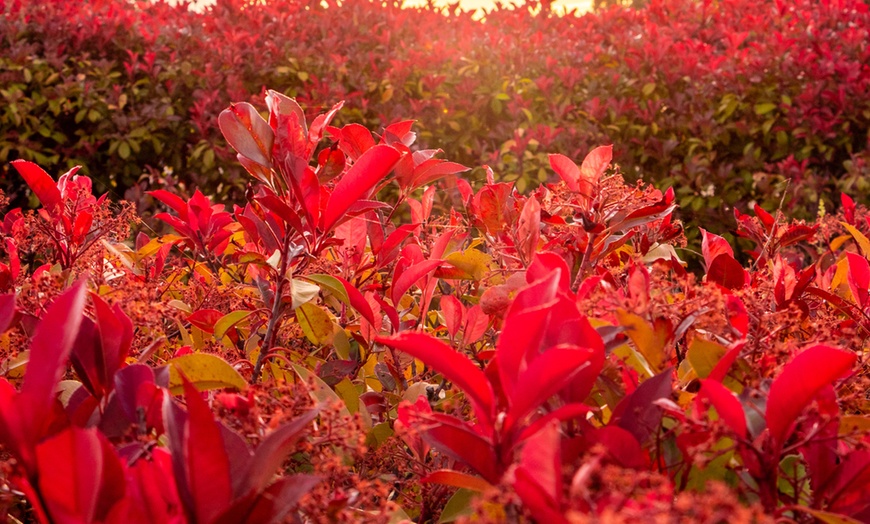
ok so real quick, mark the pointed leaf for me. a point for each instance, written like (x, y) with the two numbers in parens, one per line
(247, 132)
(727, 405)
(360, 179)
(51, 346)
(205, 371)
(411, 276)
(454, 366)
(207, 464)
(358, 301)
(42, 185)
(546, 375)
(567, 171)
(270, 455)
(799, 382)
(457, 479)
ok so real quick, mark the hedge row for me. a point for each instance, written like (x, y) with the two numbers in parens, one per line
(724, 100)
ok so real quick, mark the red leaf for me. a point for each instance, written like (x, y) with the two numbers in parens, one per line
(42, 185)
(848, 208)
(315, 133)
(247, 132)
(80, 475)
(454, 366)
(355, 140)
(521, 336)
(360, 179)
(546, 375)
(279, 499)
(538, 478)
(727, 272)
(448, 477)
(712, 246)
(476, 322)
(51, 346)
(205, 319)
(859, 278)
(567, 171)
(358, 301)
(452, 310)
(7, 311)
(271, 453)
(544, 264)
(431, 170)
(727, 405)
(207, 466)
(116, 336)
(456, 439)
(411, 276)
(595, 164)
(529, 229)
(797, 385)
(737, 315)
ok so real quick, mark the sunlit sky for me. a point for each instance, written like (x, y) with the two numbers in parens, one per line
(558, 5)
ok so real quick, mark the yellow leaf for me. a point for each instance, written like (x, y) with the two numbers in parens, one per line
(650, 341)
(704, 355)
(471, 264)
(205, 371)
(321, 392)
(229, 321)
(315, 323)
(860, 239)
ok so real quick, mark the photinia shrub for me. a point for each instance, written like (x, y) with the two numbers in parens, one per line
(366, 337)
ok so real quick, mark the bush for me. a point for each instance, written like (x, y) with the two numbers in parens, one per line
(725, 101)
(312, 355)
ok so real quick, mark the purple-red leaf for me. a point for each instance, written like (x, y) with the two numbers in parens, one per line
(51, 346)
(360, 179)
(81, 477)
(727, 272)
(207, 466)
(798, 384)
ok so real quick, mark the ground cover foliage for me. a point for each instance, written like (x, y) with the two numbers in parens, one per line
(367, 338)
(722, 100)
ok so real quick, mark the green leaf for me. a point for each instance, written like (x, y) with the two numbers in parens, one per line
(764, 108)
(321, 392)
(649, 88)
(459, 505)
(229, 321)
(205, 371)
(315, 323)
(331, 284)
(124, 150)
